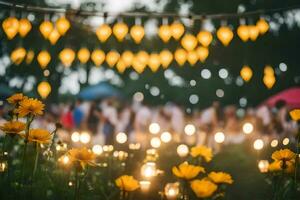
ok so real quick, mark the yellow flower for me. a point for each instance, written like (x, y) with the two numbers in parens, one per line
(276, 166)
(30, 106)
(203, 188)
(220, 177)
(40, 136)
(82, 155)
(187, 171)
(127, 183)
(202, 151)
(13, 127)
(295, 114)
(283, 155)
(16, 98)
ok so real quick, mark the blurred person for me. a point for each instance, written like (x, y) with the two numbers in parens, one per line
(78, 114)
(67, 117)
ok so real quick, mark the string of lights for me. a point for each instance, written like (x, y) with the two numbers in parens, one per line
(49, 10)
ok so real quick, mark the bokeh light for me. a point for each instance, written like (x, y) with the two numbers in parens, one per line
(182, 150)
(155, 142)
(189, 129)
(258, 144)
(248, 128)
(219, 137)
(121, 138)
(154, 128)
(166, 137)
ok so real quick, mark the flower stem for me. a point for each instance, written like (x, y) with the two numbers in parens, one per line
(76, 194)
(297, 156)
(36, 160)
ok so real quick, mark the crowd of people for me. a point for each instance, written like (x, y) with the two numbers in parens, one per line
(104, 119)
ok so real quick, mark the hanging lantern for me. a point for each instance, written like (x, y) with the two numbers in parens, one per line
(192, 57)
(269, 81)
(98, 57)
(46, 28)
(246, 73)
(189, 42)
(143, 57)
(253, 32)
(203, 53)
(164, 32)
(268, 70)
(262, 26)
(54, 36)
(112, 58)
(24, 27)
(205, 38)
(10, 27)
(44, 89)
(43, 59)
(29, 57)
(154, 62)
(103, 32)
(166, 58)
(67, 57)
(120, 30)
(180, 56)
(138, 65)
(62, 25)
(225, 35)
(137, 33)
(127, 57)
(177, 30)
(18, 55)
(121, 66)
(83, 55)
(243, 32)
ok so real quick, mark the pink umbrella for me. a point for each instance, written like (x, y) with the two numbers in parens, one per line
(291, 96)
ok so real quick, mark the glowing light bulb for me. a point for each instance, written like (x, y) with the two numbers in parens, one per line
(155, 142)
(190, 129)
(219, 137)
(166, 137)
(274, 143)
(285, 141)
(248, 128)
(149, 170)
(263, 166)
(182, 150)
(121, 138)
(154, 128)
(172, 190)
(85, 138)
(258, 144)
(97, 149)
(75, 137)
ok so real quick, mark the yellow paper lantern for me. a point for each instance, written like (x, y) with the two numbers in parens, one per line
(137, 33)
(192, 57)
(269, 81)
(121, 66)
(243, 32)
(120, 30)
(180, 56)
(54, 36)
(46, 28)
(112, 58)
(203, 53)
(253, 32)
(62, 25)
(127, 57)
(24, 27)
(67, 57)
(268, 70)
(103, 32)
(154, 62)
(177, 30)
(83, 55)
(164, 32)
(29, 57)
(143, 57)
(11, 27)
(98, 57)
(205, 38)
(18, 55)
(189, 42)
(166, 58)
(262, 26)
(246, 73)
(43, 59)
(138, 65)
(225, 35)
(44, 89)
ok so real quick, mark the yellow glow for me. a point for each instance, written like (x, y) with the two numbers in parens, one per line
(246, 73)
(274, 143)
(166, 58)
(127, 57)
(225, 35)
(154, 62)
(112, 58)
(149, 170)
(62, 25)
(137, 33)
(120, 30)
(67, 57)
(189, 42)
(46, 28)
(182, 150)
(180, 56)
(121, 66)
(285, 141)
(98, 57)
(43, 59)
(54, 36)
(203, 53)
(24, 27)
(44, 89)
(83, 55)
(17, 56)
(269, 81)
(243, 32)
(192, 57)
(145, 185)
(177, 30)
(262, 26)
(253, 32)
(103, 32)
(165, 33)
(155, 142)
(263, 166)
(11, 27)
(204, 38)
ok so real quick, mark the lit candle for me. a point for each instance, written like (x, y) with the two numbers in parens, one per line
(172, 190)
(145, 185)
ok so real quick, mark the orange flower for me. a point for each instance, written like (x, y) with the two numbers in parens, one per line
(13, 127)
(82, 155)
(220, 177)
(187, 171)
(30, 107)
(16, 98)
(127, 183)
(295, 114)
(40, 136)
(202, 151)
(203, 188)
